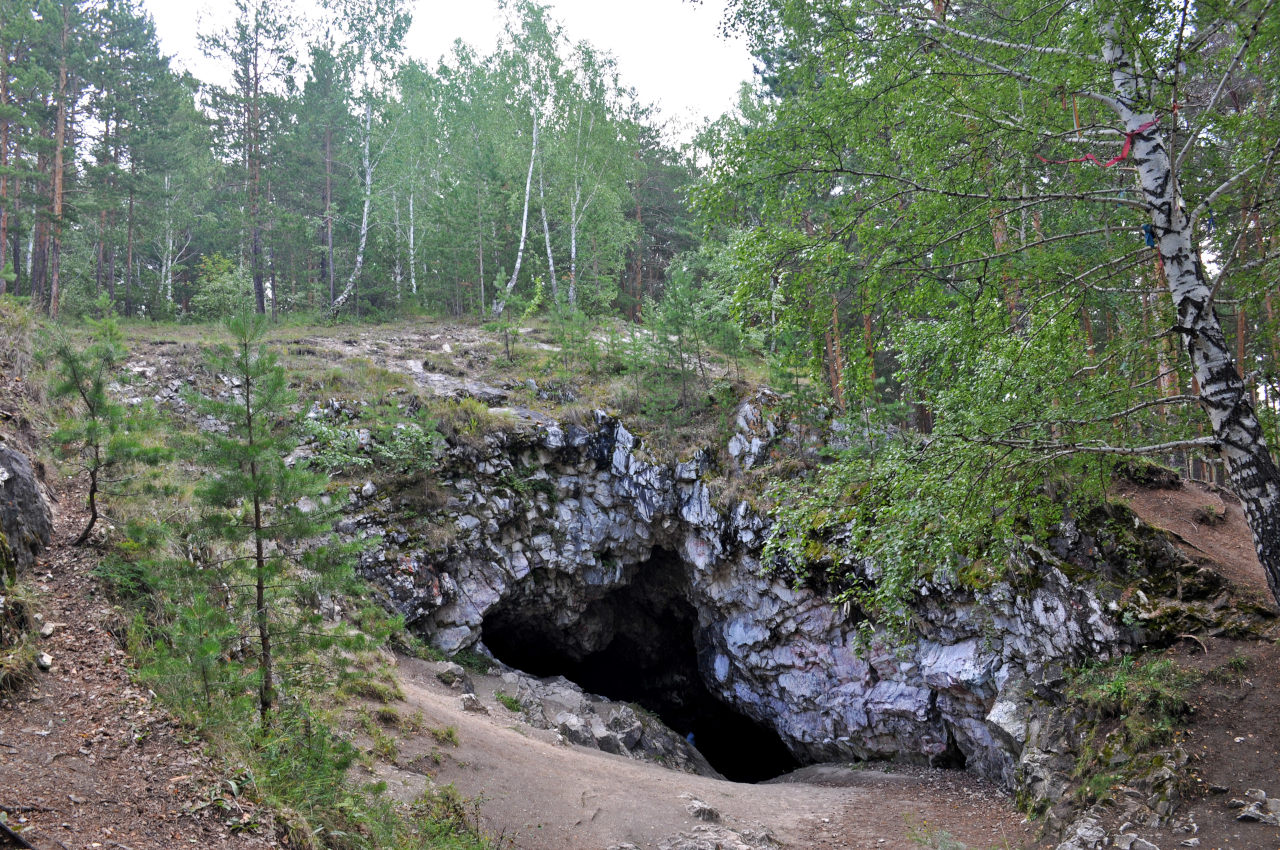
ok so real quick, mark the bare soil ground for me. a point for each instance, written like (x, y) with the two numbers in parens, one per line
(542, 794)
(87, 760)
(1233, 733)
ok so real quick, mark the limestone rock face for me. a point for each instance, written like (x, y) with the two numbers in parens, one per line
(24, 515)
(547, 523)
(593, 721)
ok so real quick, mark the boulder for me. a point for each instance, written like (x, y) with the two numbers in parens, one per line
(26, 524)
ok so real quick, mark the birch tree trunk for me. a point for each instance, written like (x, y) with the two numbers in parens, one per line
(546, 233)
(4, 167)
(413, 273)
(398, 271)
(1223, 395)
(480, 241)
(573, 247)
(364, 216)
(500, 303)
(328, 210)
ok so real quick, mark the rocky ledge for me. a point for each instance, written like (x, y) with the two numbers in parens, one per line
(568, 541)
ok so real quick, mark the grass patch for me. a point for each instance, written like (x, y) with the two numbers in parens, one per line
(509, 702)
(382, 745)
(447, 735)
(472, 661)
(357, 376)
(468, 421)
(1154, 690)
(372, 689)
(18, 641)
(1137, 705)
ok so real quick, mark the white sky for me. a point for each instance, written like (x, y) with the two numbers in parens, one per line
(670, 51)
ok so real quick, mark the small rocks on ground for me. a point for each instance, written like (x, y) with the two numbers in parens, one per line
(1257, 807)
(455, 677)
(700, 810)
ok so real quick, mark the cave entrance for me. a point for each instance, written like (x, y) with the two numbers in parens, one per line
(642, 648)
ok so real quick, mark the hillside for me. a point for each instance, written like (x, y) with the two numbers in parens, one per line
(86, 725)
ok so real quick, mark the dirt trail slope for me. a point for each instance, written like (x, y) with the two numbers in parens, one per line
(544, 794)
(86, 759)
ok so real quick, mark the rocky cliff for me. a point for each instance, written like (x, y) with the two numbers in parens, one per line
(568, 542)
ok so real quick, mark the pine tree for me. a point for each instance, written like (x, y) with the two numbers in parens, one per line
(99, 433)
(262, 511)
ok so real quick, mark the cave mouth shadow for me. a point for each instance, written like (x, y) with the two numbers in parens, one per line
(639, 644)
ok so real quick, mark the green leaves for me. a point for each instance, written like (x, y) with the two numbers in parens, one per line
(261, 514)
(936, 171)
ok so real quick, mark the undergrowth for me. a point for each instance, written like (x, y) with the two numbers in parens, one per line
(296, 763)
(301, 765)
(1136, 708)
(18, 642)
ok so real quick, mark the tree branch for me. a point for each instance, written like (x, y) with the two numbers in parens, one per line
(935, 24)
(1222, 84)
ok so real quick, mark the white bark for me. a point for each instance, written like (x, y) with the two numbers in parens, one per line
(480, 242)
(364, 216)
(398, 272)
(573, 247)
(170, 252)
(578, 207)
(500, 303)
(1223, 395)
(413, 272)
(546, 233)
(166, 256)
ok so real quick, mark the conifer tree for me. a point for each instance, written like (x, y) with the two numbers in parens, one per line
(106, 442)
(262, 511)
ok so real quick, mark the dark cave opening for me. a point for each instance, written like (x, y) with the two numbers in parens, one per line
(648, 631)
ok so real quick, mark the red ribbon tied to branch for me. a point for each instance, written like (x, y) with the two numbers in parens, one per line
(1120, 157)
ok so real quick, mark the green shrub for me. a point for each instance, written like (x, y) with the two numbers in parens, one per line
(221, 289)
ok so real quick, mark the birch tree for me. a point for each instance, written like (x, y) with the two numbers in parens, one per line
(374, 32)
(531, 65)
(1022, 167)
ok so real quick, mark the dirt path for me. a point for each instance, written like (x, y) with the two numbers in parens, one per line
(1208, 523)
(86, 759)
(544, 794)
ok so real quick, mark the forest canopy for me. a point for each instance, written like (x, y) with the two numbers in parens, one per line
(1050, 230)
(331, 173)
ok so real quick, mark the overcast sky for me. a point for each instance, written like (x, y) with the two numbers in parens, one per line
(668, 50)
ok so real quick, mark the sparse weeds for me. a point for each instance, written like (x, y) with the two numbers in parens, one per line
(383, 746)
(411, 724)
(468, 420)
(444, 804)
(472, 661)
(446, 735)
(364, 687)
(1210, 515)
(509, 702)
(18, 647)
(1156, 688)
(1137, 706)
(1231, 670)
(355, 376)
(922, 833)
